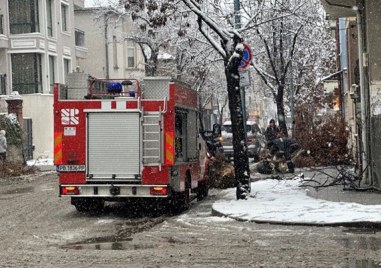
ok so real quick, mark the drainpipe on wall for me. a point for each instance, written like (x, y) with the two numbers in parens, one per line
(364, 131)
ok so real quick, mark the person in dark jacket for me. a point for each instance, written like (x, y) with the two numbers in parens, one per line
(272, 131)
(283, 148)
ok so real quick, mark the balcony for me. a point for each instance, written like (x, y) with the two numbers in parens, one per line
(81, 52)
(339, 8)
(79, 3)
(29, 41)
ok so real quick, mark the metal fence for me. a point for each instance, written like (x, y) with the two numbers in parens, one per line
(28, 139)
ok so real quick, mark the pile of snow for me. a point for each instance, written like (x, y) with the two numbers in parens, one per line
(285, 202)
(40, 162)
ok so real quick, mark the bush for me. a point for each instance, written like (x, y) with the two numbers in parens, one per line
(221, 173)
(10, 124)
(324, 137)
(8, 169)
(13, 166)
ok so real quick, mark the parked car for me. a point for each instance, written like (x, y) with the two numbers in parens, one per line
(255, 139)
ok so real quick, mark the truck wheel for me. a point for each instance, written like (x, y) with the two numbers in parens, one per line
(202, 190)
(186, 195)
(181, 201)
(87, 204)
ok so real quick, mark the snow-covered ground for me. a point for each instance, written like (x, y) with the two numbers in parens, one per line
(284, 201)
(40, 162)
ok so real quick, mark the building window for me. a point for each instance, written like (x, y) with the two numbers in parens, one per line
(23, 16)
(79, 38)
(1, 24)
(65, 17)
(181, 134)
(115, 51)
(66, 68)
(130, 54)
(26, 73)
(52, 73)
(3, 90)
(49, 12)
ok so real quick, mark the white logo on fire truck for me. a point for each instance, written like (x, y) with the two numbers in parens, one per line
(69, 117)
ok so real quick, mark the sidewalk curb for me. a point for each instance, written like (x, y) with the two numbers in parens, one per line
(29, 177)
(363, 224)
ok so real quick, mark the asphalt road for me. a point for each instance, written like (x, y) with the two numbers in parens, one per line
(39, 229)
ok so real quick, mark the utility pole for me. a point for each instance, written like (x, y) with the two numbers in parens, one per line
(366, 167)
(237, 17)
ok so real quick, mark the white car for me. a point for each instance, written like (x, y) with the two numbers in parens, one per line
(255, 139)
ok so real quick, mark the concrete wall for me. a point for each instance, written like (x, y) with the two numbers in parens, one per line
(373, 35)
(373, 47)
(39, 107)
(14, 153)
(89, 21)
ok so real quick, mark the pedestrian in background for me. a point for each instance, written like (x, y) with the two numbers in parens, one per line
(3, 146)
(272, 131)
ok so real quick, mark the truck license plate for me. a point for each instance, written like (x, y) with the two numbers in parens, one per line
(71, 168)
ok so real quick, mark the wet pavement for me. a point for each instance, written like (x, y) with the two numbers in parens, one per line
(43, 230)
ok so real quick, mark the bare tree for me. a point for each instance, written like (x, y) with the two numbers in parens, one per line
(292, 50)
(228, 43)
(149, 17)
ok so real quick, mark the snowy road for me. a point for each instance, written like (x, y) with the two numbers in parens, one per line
(38, 229)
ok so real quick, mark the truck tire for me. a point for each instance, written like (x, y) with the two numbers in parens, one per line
(202, 190)
(180, 201)
(88, 204)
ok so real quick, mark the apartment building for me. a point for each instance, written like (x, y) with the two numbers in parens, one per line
(360, 62)
(111, 54)
(39, 45)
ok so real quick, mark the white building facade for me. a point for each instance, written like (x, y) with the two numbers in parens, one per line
(39, 45)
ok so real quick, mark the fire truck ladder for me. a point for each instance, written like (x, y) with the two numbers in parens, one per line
(152, 138)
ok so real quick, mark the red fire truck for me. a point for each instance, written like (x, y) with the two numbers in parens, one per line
(126, 139)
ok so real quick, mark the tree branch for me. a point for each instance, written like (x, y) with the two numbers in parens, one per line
(210, 39)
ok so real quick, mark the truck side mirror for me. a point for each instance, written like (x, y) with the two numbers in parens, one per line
(216, 130)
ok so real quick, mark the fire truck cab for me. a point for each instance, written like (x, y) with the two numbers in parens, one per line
(125, 139)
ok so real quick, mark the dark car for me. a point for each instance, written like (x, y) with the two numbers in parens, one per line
(255, 139)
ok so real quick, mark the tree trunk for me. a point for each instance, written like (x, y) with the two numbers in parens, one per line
(241, 161)
(151, 65)
(280, 111)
